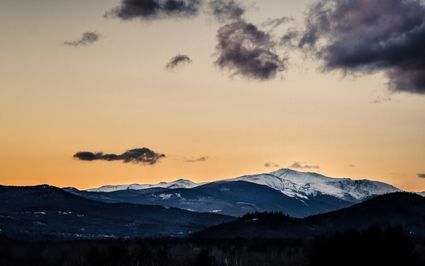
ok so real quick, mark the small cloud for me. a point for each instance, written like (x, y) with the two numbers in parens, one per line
(421, 175)
(299, 165)
(351, 165)
(87, 38)
(271, 165)
(177, 61)
(197, 160)
(140, 155)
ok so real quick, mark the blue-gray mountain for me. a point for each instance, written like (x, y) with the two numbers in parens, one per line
(298, 194)
(46, 212)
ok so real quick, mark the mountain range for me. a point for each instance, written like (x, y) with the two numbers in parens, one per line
(307, 203)
(298, 194)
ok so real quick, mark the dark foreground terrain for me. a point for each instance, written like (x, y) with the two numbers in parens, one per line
(367, 247)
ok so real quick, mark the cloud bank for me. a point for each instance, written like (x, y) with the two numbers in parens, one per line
(366, 36)
(87, 38)
(140, 155)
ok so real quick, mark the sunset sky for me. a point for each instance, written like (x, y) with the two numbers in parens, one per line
(62, 92)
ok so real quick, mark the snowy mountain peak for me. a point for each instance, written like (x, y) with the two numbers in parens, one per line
(306, 184)
(180, 183)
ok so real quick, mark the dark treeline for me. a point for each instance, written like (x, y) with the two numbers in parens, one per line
(369, 247)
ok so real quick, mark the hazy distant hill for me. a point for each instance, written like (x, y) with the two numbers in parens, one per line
(49, 212)
(405, 209)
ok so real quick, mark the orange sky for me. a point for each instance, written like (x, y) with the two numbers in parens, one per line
(116, 95)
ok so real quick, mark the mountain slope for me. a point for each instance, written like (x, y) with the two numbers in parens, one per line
(180, 183)
(303, 185)
(49, 212)
(405, 209)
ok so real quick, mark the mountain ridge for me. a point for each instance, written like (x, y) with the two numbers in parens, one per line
(292, 183)
(49, 212)
(395, 209)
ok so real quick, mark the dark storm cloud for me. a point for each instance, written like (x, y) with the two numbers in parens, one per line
(151, 9)
(225, 10)
(367, 36)
(86, 39)
(248, 51)
(421, 175)
(141, 155)
(298, 165)
(197, 160)
(178, 60)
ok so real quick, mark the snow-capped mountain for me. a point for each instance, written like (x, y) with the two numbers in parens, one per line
(303, 185)
(180, 183)
(296, 184)
(295, 193)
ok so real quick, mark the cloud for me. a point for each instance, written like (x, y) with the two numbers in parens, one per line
(225, 10)
(87, 38)
(140, 155)
(367, 36)
(351, 165)
(200, 159)
(381, 99)
(421, 175)
(153, 9)
(299, 165)
(271, 165)
(248, 51)
(178, 60)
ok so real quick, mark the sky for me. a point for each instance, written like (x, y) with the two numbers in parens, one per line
(344, 97)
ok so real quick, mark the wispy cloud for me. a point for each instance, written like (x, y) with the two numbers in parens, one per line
(225, 10)
(87, 38)
(299, 165)
(381, 99)
(197, 160)
(177, 61)
(271, 165)
(140, 155)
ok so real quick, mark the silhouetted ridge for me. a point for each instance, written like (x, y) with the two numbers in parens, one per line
(396, 209)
